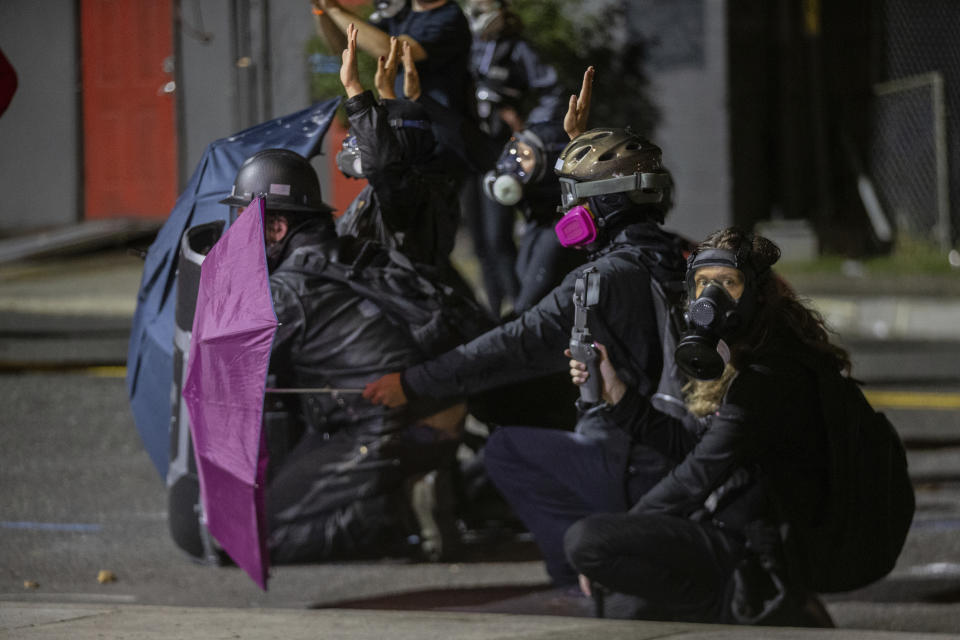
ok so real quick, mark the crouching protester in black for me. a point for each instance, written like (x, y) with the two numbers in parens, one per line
(627, 248)
(342, 488)
(704, 543)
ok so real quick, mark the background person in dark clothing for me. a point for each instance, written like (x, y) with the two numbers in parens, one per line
(514, 88)
(703, 544)
(524, 179)
(439, 39)
(344, 489)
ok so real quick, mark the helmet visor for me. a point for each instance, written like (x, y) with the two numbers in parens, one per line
(572, 191)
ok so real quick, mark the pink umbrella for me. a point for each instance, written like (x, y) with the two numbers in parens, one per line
(233, 332)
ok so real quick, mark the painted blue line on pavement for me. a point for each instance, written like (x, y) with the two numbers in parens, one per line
(52, 526)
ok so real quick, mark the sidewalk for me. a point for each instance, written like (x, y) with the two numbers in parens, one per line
(96, 293)
(135, 622)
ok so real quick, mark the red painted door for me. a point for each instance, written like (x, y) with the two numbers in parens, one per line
(129, 140)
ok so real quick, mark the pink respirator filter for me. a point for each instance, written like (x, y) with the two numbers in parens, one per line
(576, 227)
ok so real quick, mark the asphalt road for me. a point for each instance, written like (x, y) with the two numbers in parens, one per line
(79, 496)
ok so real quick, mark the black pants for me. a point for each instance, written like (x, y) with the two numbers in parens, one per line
(342, 496)
(490, 226)
(679, 569)
(552, 479)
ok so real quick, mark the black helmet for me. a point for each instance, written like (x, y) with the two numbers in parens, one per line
(283, 177)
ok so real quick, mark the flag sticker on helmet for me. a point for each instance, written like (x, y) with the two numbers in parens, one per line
(280, 189)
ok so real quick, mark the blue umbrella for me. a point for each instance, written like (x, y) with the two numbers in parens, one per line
(150, 354)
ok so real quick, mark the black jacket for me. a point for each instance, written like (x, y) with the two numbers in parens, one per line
(533, 344)
(509, 72)
(769, 423)
(329, 336)
(338, 493)
(406, 205)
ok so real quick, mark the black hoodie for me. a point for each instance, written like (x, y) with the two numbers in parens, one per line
(533, 344)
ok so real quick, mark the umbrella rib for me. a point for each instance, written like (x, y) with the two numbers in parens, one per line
(237, 332)
(330, 390)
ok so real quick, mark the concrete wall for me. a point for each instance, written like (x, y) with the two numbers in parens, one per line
(687, 66)
(40, 131)
(291, 26)
(218, 97)
(205, 79)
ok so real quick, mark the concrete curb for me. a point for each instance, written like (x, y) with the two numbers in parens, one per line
(891, 318)
(138, 622)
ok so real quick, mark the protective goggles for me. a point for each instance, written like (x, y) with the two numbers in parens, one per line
(572, 191)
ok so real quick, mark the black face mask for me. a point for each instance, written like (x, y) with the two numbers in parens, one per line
(702, 352)
(714, 318)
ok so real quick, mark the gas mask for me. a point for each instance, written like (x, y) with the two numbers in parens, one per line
(348, 158)
(576, 228)
(713, 318)
(520, 164)
(702, 353)
(386, 9)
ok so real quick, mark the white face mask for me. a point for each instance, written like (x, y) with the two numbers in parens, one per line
(387, 9)
(505, 188)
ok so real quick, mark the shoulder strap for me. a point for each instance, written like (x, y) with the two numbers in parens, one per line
(668, 397)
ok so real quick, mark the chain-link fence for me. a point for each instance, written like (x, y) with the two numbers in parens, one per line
(908, 155)
(915, 145)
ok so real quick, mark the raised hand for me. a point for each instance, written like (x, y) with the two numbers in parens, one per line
(411, 78)
(387, 68)
(349, 75)
(578, 111)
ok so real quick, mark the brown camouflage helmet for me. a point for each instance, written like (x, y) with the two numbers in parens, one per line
(610, 161)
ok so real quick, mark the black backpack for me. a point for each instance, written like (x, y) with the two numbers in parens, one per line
(870, 501)
(435, 316)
